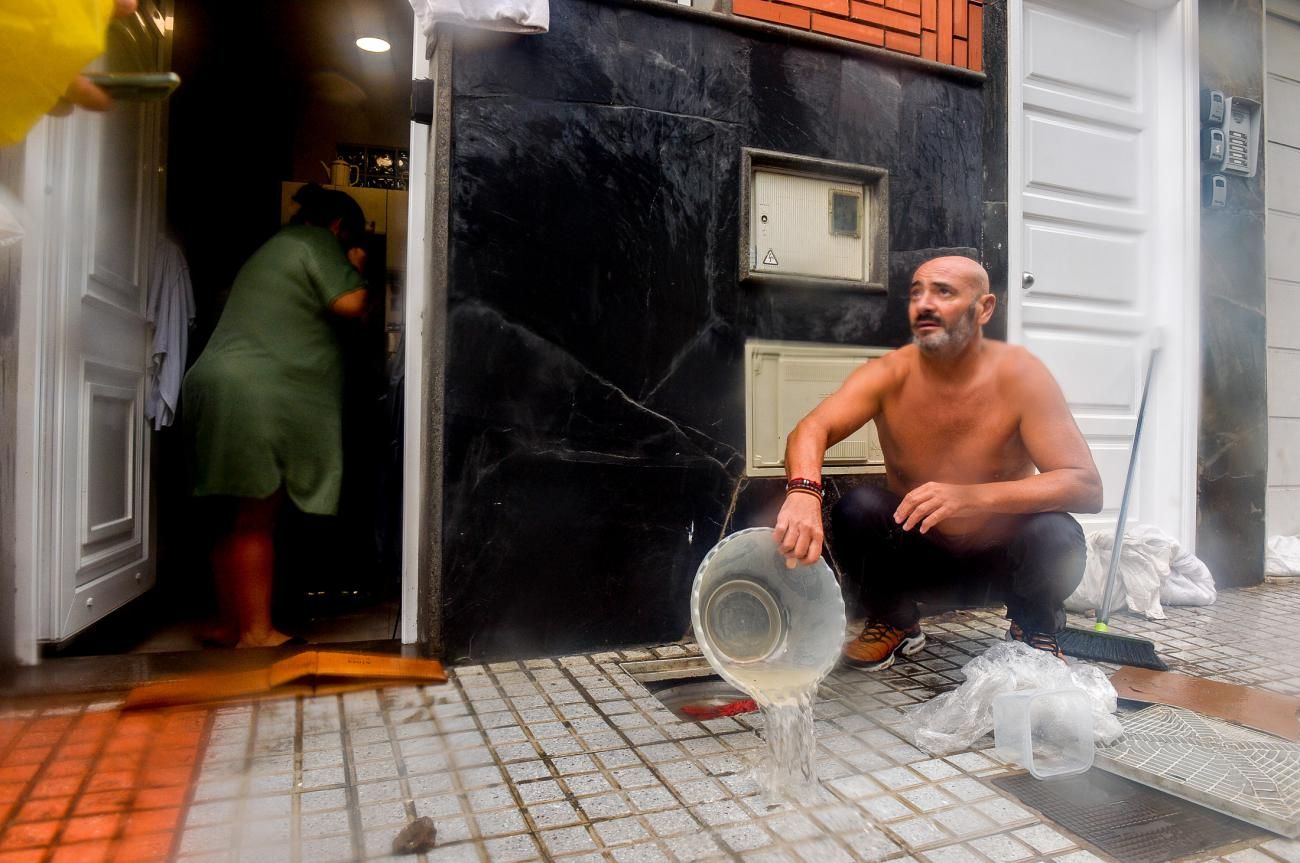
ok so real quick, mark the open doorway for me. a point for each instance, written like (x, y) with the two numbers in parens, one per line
(275, 96)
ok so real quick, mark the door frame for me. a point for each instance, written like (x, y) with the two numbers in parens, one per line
(39, 417)
(1176, 241)
(414, 459)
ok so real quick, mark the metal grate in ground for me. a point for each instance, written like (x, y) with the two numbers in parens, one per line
(1128, 821)
(1227, 768)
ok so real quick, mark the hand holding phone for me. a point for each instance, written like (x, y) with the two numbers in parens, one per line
(136, 86)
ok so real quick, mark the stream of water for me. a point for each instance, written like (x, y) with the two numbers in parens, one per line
(785, 694)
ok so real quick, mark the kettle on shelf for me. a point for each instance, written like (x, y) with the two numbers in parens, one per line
(341, 173)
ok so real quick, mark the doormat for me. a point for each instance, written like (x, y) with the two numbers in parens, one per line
(1237, 771)
(1270, 712)
(1128, 821)
(312, 672)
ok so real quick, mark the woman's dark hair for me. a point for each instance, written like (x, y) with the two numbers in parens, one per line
(321, 207)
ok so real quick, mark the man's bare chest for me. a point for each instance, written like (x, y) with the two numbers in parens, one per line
(951, 436)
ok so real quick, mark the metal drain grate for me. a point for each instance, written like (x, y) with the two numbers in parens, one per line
(1244, 773)
(1128, 821)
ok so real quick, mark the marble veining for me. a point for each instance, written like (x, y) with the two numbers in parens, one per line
(595, 423)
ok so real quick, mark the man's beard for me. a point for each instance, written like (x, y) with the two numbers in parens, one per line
(949, 339)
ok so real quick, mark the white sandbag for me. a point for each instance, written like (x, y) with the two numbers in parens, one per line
(954, 720)
(1282, 555)
(1153, 570)
(511, 16)
(11, 218)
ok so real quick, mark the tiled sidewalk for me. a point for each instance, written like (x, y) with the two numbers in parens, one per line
(570, 759)
(86, 783)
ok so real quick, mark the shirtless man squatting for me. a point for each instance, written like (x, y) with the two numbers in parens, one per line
(983, 464)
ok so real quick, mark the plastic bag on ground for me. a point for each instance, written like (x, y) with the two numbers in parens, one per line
(1282, 555)
(951, 722)
(1154, 571)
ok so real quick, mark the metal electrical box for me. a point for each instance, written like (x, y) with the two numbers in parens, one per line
(808, 226)
(783, 382)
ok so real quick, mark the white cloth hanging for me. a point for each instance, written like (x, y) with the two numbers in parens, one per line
(171, 311)
(511, 16)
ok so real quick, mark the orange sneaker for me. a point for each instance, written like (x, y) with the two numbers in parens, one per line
(879, 643)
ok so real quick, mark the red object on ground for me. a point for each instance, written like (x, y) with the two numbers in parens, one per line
(714, 711)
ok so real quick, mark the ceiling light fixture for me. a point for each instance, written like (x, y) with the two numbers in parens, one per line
(373, 44)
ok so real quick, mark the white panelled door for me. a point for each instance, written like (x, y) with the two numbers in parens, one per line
(1086, 239)
(99, 175)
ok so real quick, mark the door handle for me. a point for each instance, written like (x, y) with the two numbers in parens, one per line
(1027, 280)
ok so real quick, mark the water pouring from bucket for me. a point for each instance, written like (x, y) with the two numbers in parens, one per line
(773, 632)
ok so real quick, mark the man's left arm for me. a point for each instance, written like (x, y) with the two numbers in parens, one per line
(1067, 480)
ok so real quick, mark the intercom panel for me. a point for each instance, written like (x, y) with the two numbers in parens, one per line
(1241, 130)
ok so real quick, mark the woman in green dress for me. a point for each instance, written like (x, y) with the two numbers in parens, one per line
(263, 402)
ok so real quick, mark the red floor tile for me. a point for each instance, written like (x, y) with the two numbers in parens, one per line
(18, 773)
(52, 723)
(97, 787)
(102, 802)
(163, 777)
(40, 738)
(111, 780)
(82, 852)
(79, 750)
(37, 834)
(28, 755)
(126, 745)
(56, 786)
(159, 798)
(90, 828)
(111, 763)
(152, 821)
(69, 767)
(143, 849)
(32, 856)
(42, 810)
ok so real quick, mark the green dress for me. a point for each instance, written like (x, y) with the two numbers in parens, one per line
(264, 401)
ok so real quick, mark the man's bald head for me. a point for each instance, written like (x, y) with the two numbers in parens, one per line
(956, 270)
(948, 304)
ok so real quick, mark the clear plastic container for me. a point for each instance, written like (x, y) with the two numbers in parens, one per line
(1047, 731)
(766, 629)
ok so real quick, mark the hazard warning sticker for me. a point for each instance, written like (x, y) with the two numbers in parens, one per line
(770, 259)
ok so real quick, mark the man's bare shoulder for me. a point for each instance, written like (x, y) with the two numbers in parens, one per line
(894, 366)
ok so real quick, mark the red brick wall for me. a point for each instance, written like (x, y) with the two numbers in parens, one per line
(948, 31)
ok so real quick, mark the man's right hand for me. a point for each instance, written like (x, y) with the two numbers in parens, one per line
(799, 529)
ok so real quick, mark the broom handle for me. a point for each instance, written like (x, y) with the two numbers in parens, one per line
(1103, 617)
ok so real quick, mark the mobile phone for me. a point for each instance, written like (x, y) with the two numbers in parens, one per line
(136, 86)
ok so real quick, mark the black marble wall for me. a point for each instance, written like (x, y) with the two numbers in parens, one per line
(1232, 462)
(594, 386)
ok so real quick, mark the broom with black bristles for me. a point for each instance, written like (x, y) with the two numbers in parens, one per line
(1099, 643)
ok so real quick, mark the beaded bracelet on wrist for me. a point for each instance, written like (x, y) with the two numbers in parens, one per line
(799, 483)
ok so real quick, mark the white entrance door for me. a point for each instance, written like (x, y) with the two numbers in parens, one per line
(1093, 204)
(93, 186)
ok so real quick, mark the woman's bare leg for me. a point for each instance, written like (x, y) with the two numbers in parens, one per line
(244, 560)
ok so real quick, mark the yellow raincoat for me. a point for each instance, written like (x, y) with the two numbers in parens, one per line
(45, 44)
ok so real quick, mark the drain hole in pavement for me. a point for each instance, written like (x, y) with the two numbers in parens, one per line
(688, 687)
(1128, 821)
(706, 698)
